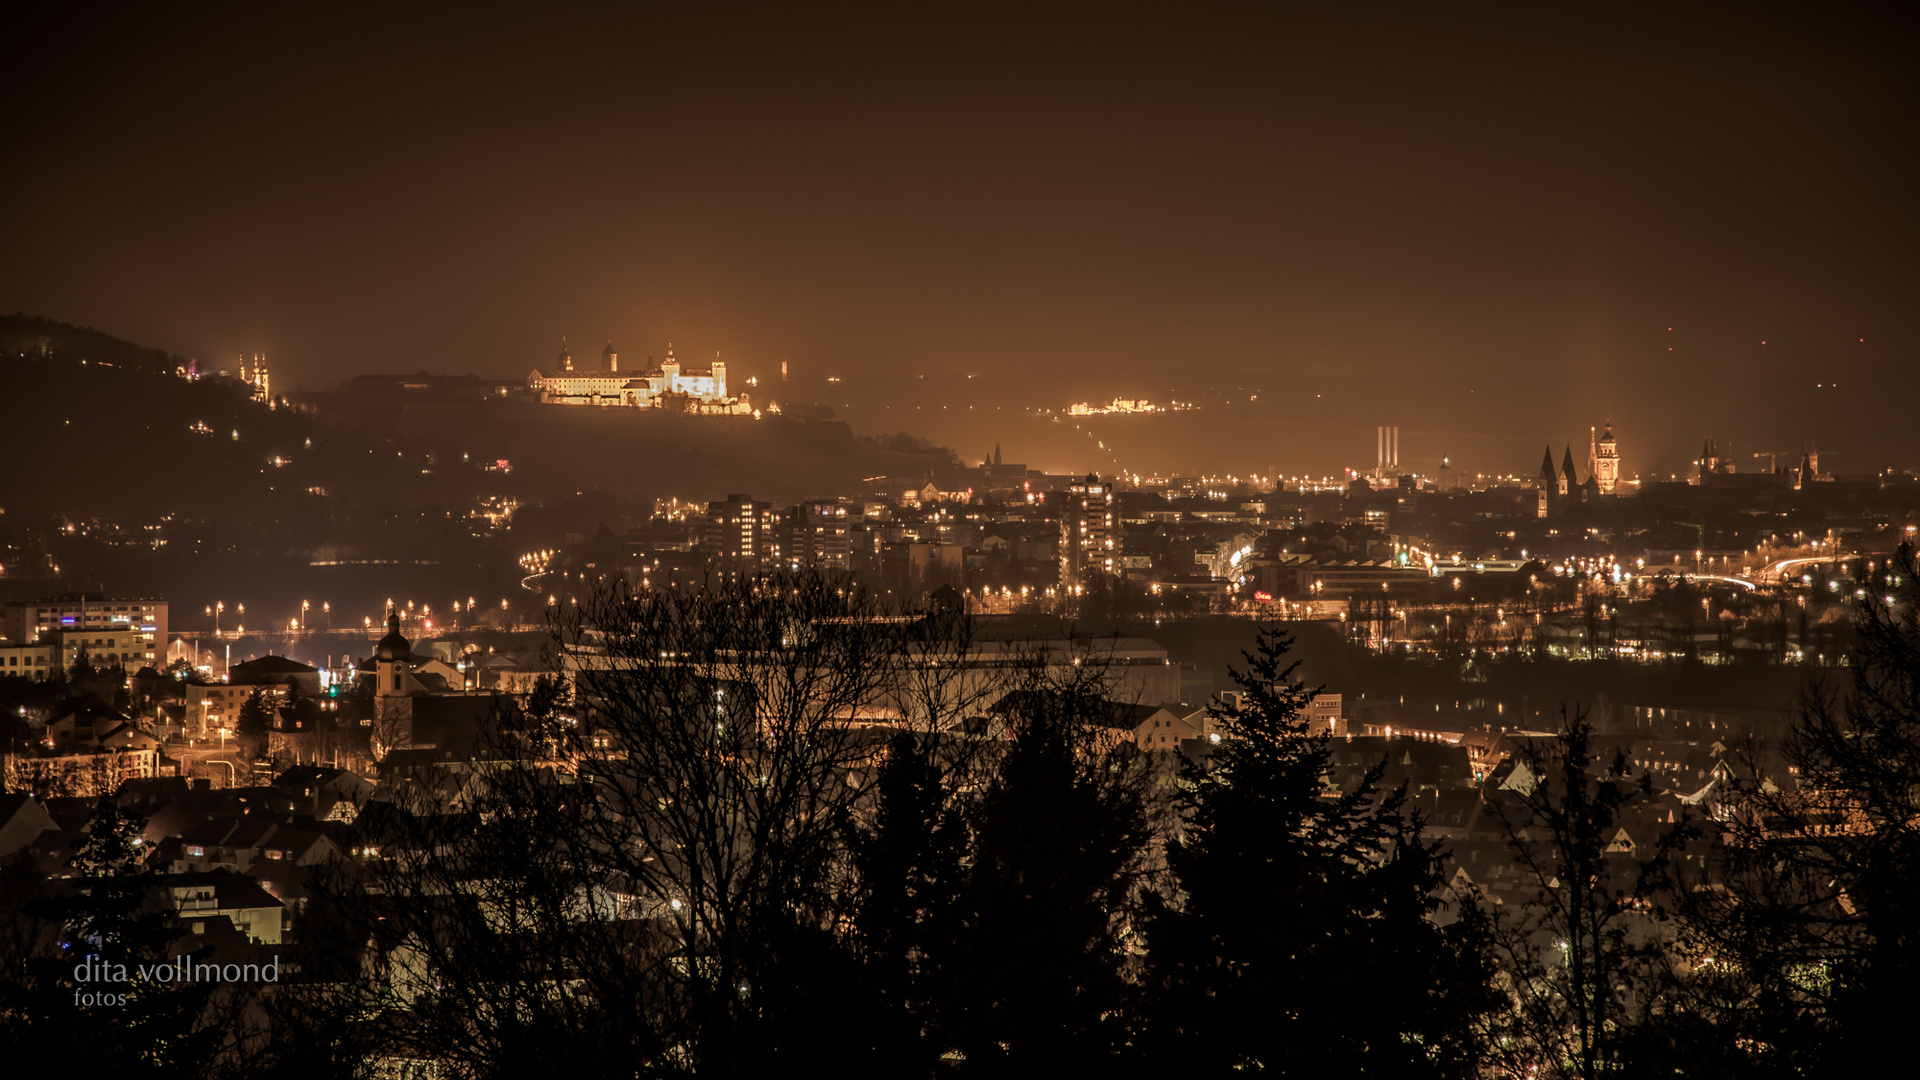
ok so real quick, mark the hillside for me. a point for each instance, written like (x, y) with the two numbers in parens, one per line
(142, 480)
(643, 454)
(134, 442)
(145, 481)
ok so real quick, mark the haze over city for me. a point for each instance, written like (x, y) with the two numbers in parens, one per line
(956, 542)
(1450, 220)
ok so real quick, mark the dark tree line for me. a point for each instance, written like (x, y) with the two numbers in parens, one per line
(1811, 949)
(770, 828)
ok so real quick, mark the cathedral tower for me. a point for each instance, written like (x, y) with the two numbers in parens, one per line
(256, 377)
(1809, 470)
(1606, 461)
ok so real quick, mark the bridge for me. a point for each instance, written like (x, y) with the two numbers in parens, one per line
(1689, 575)
(1782, 571)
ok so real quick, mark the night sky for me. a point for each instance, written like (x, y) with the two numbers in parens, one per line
(1478, 225)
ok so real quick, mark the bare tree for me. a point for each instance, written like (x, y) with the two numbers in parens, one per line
(650, 864)
(1584, 955)
(1816, 932)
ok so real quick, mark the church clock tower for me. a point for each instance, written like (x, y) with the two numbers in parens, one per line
(1606, 461)
(392, 659)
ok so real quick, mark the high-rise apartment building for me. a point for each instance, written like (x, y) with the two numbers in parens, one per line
(740, 528)
(1087, 528)
(817, 537)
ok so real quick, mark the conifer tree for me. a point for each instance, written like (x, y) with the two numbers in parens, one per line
(908, 866)
(1300, 941)
(89, 1000)
(1032, 967)
(250, 730)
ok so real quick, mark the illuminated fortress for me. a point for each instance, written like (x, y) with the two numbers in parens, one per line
(667, 386)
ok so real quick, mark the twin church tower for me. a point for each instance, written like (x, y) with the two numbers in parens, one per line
(1603, 469)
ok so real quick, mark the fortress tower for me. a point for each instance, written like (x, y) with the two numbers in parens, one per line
(671, 369)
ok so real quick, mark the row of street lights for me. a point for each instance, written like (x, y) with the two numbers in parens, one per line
(425, 611)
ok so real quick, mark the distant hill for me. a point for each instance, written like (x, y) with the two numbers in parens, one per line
(645, 454)
(23, 336)
(137, 441)
(134, 478)
(121, 436)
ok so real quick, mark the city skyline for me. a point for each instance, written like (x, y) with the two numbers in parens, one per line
(959, 542)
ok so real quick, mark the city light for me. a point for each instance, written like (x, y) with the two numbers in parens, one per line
(1035, 651)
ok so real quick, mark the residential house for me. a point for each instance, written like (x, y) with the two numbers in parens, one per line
(22, 820)
(253, 911)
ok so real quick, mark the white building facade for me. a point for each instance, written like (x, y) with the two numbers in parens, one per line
(607, 385)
